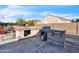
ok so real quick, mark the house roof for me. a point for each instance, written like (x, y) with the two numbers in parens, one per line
(57, 17)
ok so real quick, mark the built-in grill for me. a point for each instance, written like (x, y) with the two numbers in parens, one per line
(27, 32)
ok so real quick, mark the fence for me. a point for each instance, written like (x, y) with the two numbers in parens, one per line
(70, 28)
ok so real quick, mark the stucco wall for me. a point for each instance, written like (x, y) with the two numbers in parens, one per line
(70, 28)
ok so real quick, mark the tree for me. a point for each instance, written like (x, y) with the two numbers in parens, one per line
(77, 20)
(30, 23)
(73, 21)
(1, 23)
(21, 22)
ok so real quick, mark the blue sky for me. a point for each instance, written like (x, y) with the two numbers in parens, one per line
(9, 13)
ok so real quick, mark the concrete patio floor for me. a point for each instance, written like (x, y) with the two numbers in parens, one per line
(31, 45)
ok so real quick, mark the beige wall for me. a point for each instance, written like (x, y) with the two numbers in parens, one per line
(70, 28)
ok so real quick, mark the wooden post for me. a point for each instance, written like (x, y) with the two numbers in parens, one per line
(77, 28)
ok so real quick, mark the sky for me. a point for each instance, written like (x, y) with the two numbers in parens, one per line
(9, 13)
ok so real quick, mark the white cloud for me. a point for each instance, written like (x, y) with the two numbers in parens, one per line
(16, 10)
(53, 13)
(8, 20)
(11, 11)
(73, 17)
